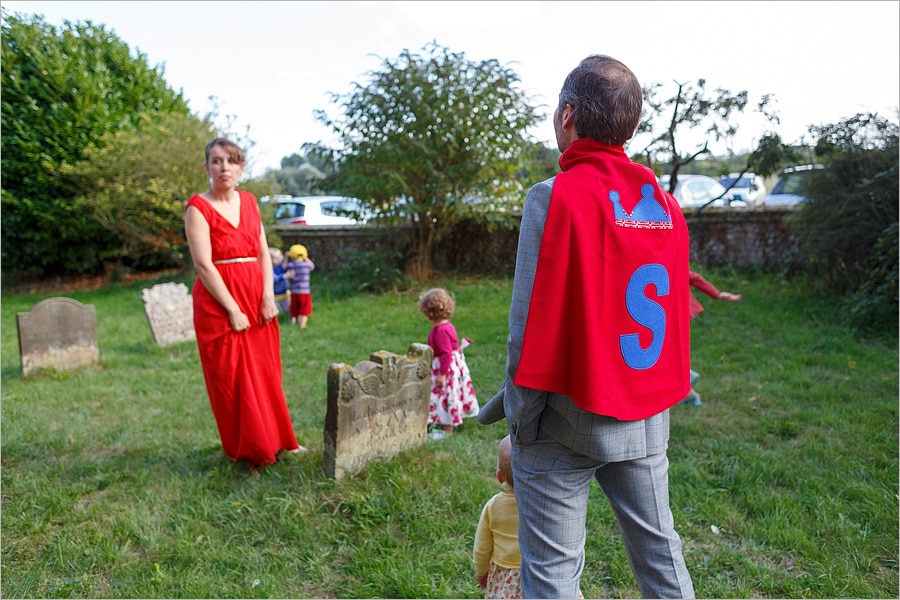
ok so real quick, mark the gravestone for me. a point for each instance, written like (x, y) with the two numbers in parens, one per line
(376, 409)
(58, 333)
(170, 313)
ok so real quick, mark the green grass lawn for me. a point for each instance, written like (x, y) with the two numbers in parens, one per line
(784, 483)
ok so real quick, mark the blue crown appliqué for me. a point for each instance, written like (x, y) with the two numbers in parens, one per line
(647, 214)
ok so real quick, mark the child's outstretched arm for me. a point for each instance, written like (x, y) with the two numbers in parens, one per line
(729, 296)
(699, 282)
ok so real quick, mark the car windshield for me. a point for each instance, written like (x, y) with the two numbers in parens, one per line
(704, 190)
(792, 183)
(289, 210)
(744, 182)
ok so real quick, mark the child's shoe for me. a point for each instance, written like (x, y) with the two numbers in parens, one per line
(693, 399)
(694, 376)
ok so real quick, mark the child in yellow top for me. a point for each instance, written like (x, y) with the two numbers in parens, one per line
(496, 555)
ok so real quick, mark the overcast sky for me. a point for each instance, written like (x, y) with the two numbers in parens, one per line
(271, 64)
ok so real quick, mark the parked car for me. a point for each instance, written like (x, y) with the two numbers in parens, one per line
(320, 210)
(790, 189)
(749, 190)
(275, 198)
(693, 191)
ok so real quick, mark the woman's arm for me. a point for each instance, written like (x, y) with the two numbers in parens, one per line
(196, 230)
(267, 308)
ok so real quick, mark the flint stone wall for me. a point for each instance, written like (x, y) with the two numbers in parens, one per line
(376, 409)
(758, 236)
(58, 333)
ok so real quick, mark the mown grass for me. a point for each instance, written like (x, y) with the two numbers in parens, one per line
(783, 484)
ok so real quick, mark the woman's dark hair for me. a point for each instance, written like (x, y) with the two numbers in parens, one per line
(606, 99)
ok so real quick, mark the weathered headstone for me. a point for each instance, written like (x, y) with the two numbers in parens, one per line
(376, 409)
(59, 333)
(170, 313)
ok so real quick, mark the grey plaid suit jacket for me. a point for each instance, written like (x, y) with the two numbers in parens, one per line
(529, 411)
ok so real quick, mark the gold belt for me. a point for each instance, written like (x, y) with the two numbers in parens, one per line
(228, 261)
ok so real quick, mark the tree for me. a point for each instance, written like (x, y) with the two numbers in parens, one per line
(432, 132)
(65, 91)
(769, 155)
(540, 162)
(691, 108)
(848, 230)
(135, 185)
(299, 175)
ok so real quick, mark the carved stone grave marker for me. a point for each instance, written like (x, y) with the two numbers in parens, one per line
(376, 409)
(59, 333)
(170, 313)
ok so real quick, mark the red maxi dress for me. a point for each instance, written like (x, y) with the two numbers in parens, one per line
(242, 370)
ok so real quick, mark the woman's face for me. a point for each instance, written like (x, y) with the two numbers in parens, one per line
(222, 169)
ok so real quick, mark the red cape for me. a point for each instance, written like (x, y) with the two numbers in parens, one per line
(608, 324)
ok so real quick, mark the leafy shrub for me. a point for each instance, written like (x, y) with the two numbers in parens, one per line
(848, 229)
(875, 303)
(65, 91)
(366, 271)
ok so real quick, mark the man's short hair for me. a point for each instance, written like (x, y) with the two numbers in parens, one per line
(606, 99)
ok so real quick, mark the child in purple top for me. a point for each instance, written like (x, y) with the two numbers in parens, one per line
(301, 298)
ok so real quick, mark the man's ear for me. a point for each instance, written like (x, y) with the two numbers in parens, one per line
(566, 115)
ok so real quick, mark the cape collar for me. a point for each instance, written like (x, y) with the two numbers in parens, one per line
(589, 150)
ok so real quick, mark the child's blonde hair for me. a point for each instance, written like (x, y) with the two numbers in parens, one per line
(436, 304)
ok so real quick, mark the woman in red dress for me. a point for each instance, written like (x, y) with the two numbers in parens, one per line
(235, 316)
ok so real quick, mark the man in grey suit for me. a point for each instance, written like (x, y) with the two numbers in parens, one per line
(598, 347)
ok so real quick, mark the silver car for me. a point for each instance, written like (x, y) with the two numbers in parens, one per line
(790, 189)
(693, 191)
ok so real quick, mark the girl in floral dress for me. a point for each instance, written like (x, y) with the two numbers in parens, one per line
(452, 393)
